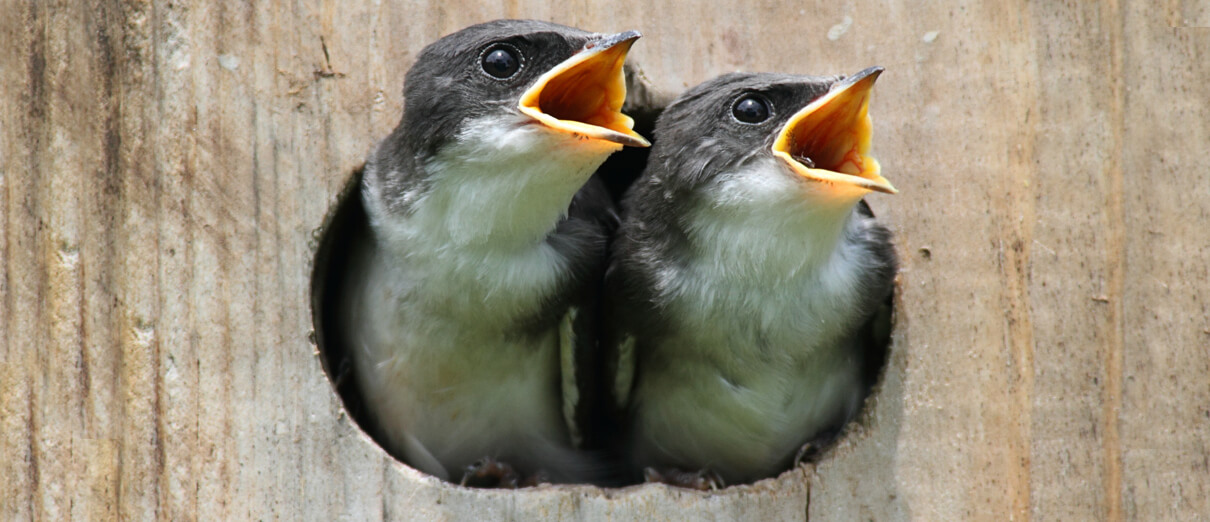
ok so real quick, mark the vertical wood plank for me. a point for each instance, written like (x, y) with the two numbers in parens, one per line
(1164, 419)
(23, 87)
(1076, 140)
(185, 479)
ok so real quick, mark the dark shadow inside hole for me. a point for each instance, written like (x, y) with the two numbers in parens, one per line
(624, 166)
(346, 231)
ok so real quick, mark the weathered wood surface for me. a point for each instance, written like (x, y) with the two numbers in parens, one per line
(163, 166)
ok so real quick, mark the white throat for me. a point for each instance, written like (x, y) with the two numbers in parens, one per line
(768, 252)
(473, 238)
(505, 181)
(761, 221)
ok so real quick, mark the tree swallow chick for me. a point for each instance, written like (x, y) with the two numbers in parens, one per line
(745, 274)
(471, 316)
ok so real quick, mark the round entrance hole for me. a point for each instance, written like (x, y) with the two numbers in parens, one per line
(345, 232)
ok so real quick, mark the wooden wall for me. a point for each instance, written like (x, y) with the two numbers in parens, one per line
(164, 165)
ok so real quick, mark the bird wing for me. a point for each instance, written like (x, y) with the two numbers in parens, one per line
(874, 336)
(591, 215)
(624, 309)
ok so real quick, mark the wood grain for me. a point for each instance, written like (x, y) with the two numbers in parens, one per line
(164, 167)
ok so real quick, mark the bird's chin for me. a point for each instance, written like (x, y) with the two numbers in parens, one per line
(551, 139)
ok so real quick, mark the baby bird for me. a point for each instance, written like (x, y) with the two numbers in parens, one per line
(745, 274)
(471, 315)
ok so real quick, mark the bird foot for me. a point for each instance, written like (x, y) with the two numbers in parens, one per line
(814, 448)
(701, 480)
(494, 474)
(807, 453)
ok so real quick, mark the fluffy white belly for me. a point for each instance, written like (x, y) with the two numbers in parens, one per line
(750, 370)
(452, 383)
(740, 417)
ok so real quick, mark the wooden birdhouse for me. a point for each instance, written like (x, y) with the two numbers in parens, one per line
(166, 169)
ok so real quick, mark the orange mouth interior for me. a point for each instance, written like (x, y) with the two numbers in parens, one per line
(584, 96)
(829, 140)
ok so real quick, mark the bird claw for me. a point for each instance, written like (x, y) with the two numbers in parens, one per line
(814, 448)
(807, 452)
(537, 479)
(491, 473)
(701, 480)
(494, 474)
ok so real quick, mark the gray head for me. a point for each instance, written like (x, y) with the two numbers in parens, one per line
(565, 78)
(812, 129)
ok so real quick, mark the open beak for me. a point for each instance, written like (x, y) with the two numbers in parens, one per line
(583, 95)
(829, 139)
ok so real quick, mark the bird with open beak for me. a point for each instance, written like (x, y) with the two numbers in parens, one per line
(473, 311)
(743, 276)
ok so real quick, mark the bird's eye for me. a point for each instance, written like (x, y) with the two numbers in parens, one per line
(751, 109)
(501, 62)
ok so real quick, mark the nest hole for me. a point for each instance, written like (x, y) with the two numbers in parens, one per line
(346, 228)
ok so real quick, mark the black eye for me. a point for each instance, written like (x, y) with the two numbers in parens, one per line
(751, 109)
(501, 62)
